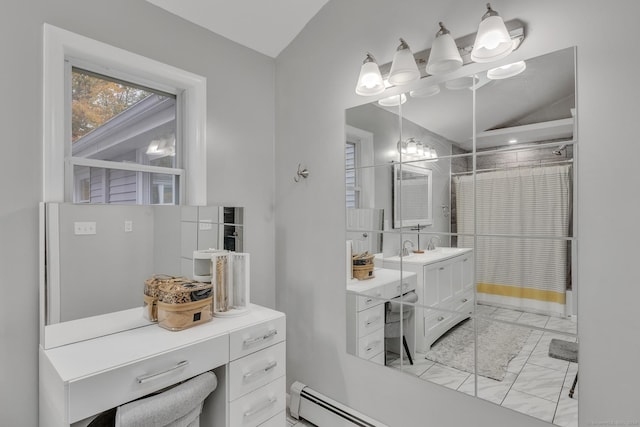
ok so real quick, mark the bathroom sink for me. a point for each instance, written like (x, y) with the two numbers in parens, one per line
(437, 254)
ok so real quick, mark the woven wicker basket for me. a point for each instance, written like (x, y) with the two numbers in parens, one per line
(362, 267)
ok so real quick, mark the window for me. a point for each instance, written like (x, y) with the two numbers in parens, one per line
(120, 127)
(116, 121)
(360, 169)
(351, 177)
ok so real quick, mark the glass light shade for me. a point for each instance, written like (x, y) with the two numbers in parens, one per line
(444, 57)
(425, 92)
(412, 147)
(370, 81)
(403, 68)
(492, 41)
(393, 101)
(433, 154)
(420, 149)
(507, 71)
(402, 147)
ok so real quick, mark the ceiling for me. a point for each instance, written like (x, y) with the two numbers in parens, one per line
(265, 26)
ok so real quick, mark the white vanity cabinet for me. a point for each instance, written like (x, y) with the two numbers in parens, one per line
(366, 311)
(247, 354)
(445, 289)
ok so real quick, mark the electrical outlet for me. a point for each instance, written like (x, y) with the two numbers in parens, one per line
(84, 227)
(128, 226)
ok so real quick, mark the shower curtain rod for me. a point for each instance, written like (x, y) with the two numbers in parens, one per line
(560, 162)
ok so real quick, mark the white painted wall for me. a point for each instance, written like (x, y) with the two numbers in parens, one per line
(315, 79)
(240, 159)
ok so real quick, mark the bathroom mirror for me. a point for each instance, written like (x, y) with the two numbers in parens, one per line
(97, 257)
(412, 195)
(482, 299)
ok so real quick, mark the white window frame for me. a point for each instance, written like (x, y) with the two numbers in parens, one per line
(190, 89)
(365, 170)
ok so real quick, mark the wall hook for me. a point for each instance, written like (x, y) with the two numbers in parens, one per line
(302, 173)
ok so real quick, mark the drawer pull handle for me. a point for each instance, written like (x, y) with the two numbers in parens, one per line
(150, 377)
(369, 301)
(441, 268)
(465, 260)
(264, 370)
(440, 319)
(371, 321)
(252, 341)
(267, 404)
(373, 345)
(464, 300)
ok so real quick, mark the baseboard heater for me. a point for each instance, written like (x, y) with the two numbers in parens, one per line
(318, 409)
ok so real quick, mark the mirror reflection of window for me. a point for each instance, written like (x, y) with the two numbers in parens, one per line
(351, 182)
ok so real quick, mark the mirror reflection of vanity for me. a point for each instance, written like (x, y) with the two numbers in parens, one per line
(493, 270)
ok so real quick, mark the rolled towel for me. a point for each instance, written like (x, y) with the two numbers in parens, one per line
(177, 407)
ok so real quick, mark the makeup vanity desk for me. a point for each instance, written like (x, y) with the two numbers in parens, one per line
(247, 354)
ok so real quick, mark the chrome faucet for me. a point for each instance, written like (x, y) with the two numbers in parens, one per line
(431, 246)
(405, 251)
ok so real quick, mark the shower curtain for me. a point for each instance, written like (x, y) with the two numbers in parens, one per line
(520, 214)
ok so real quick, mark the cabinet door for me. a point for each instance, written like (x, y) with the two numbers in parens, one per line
(430, 284)
(457, 276)
(445, 282)
(467, 271)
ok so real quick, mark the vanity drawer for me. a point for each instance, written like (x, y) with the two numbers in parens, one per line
(398, 288)
(258, 406)
(375, 298)
(462, 303)
(257, 369)
(249, 340)
(370, 320)
(91, 395)
(372, 344)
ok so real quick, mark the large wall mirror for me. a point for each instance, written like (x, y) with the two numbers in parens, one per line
(95, 259)
(481, 296)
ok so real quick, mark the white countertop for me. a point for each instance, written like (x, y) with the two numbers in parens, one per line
(428, 257)
(383, 276)
(114, 350)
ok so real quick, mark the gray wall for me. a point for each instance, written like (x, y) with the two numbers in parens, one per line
(240, 157)
(315, 79)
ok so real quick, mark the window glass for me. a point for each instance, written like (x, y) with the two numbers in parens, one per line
(117, 121)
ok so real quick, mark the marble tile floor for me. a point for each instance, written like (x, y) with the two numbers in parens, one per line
(535, 384)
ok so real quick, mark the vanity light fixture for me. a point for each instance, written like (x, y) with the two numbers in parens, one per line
(370, 80)
(393, 101)
(507, 71)
(416, 150)
(403, 68)
(492, 40)
(162, 147)
(444, 56)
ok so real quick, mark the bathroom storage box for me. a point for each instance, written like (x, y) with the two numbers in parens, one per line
(184, 304)
(363, 267)
(230, 279)
(151, 292)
